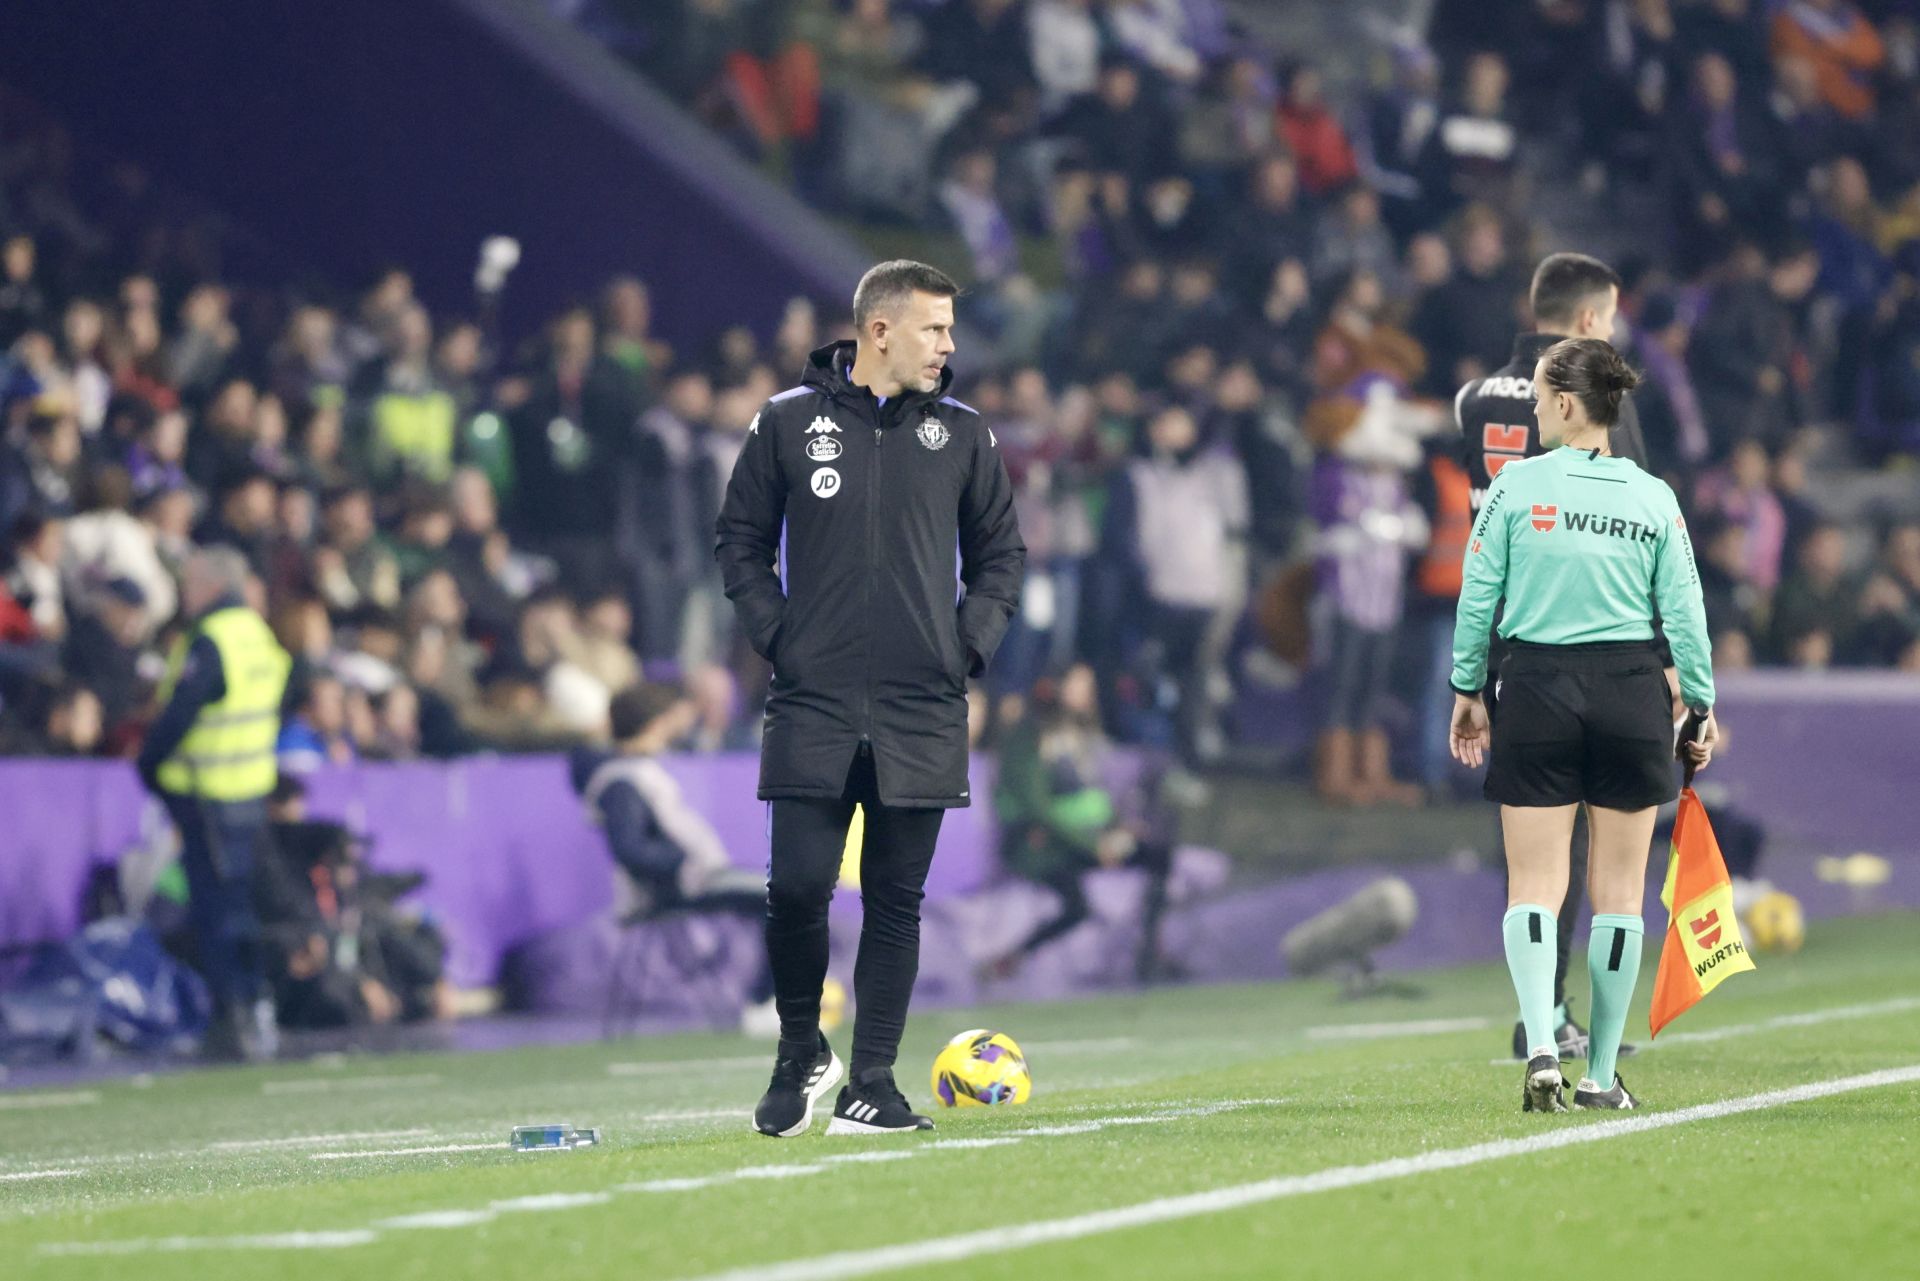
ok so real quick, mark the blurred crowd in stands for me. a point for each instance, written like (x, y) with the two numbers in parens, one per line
(1219, 304)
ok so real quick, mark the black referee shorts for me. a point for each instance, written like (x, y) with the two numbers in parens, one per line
(1589, 723)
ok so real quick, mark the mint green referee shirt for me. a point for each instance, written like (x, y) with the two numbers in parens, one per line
(1582, 548)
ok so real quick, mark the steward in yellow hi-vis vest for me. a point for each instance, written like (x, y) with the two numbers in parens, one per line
(209, 758)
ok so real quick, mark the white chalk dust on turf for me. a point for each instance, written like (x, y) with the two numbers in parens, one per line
(33, 1102)
(23, 1175)
(313, 1140)
(329, 1084)
(1812, 1018)
(423, 1151)
(274, 1241)
(1378, 1031)
(758, 1062)
(1002, 1239)
(459, 1218)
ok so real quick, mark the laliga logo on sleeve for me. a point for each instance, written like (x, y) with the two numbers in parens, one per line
(1545, 517)
(933, 433)
(826, 483)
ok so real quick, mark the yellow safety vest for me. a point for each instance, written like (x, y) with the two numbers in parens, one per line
(228, 755)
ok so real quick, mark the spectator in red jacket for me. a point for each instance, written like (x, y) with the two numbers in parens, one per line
(1313, 133)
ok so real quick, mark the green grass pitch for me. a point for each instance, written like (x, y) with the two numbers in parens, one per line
(1140, 1100)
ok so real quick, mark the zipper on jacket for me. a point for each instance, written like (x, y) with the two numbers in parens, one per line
(873, 567)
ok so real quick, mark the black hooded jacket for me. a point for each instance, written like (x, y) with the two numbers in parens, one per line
(866, 640)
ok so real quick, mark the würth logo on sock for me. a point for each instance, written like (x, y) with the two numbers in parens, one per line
(1706, 929)
(1545, 517)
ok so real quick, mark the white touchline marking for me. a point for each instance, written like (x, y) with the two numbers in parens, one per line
(327, 1084)
(657, 1066)
(1810, 1019)
(1375, 1031)
(313, 1140)
(777, 1171)
(24, 1175)
(435, 1219)
(273, 1241)
(692, 1184)
(550, 1201)
(999, 1240)
(854, 1158)
(975, 1143)
(431, 1151)
(689, 1114)
(29, 1102)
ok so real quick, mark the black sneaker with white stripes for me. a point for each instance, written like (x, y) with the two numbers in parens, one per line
(1571, 1036)
(1544, 1089)
(786, 1109)
(872, 1104)
(1589, 1095)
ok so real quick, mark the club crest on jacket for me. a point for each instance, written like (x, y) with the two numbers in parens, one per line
(933, 433)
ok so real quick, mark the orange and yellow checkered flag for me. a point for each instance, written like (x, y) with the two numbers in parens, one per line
(1703, 945)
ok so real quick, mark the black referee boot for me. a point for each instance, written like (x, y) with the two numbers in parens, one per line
(1544, 1089)
(872, 1104)
(786, 1109)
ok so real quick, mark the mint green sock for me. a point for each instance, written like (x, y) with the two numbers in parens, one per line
(1559, 1015)
(1613, 963)
(1532, 953)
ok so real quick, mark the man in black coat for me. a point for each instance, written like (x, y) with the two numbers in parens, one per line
(837, 541)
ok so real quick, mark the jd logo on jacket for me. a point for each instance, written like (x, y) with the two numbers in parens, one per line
(823, 449)
(826, 482)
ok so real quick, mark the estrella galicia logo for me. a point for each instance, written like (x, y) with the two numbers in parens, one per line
(1545, 517)
(826, 483)
(823, 449)
(820, 426)
(933, 433)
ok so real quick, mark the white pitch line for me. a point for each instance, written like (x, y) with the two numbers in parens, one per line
(32, 1102)
(328, 1084)
(25, 1175)
(313, 1140)
(1379, 1031)
(1812, 1018)
(1002, 1239)
(271, 1241)
(428, 1151)
(653, 1067)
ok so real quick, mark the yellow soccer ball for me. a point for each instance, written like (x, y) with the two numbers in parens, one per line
(979, 1068)
(833, 1004)
(1775, 923)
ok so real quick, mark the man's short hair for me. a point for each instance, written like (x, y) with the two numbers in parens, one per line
(224, 565)
(1564, 281)
(639, 706)
(887, 286)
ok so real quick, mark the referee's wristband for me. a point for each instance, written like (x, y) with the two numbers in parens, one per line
(1464, 693)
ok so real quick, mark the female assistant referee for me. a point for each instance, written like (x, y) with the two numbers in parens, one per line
(1582, 546)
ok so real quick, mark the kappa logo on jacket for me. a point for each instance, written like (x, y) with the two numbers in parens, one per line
(821, 425)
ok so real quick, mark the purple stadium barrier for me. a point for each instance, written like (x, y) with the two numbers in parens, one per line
(1825, 762)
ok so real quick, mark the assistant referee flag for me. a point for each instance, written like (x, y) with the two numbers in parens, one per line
(1703, 944)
